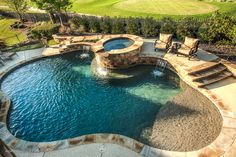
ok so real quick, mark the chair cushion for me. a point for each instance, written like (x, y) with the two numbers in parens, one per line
(184, 50)
(165, 37)
(160, 45)
(190, 42)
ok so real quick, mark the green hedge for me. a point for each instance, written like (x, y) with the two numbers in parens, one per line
(215, 29)
(43, 30)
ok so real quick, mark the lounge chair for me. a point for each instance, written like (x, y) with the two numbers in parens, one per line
(164, 42)
(189, 47)
(7, 55)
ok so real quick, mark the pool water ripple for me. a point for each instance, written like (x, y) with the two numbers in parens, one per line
(59, 97)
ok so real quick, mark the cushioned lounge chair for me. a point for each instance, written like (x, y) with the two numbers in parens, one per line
(189, 47)
(7, 55)
(164, 42)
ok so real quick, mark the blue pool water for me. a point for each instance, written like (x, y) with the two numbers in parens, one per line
(58, 98)
(119, 43)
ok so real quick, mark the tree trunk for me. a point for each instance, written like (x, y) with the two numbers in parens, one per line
(52, 17)
(60, 18)
(20, 16)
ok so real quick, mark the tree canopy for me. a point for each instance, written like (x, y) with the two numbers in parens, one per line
(53, 5)
(19, 6)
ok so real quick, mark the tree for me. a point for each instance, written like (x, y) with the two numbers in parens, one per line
(54, 6)
(18, 6)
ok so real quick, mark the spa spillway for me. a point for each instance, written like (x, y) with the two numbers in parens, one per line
(118, 52)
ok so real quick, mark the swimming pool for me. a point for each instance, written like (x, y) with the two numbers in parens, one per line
(59, 97)
(117, 43)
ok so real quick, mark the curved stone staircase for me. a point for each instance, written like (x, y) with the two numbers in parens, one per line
(209, 73)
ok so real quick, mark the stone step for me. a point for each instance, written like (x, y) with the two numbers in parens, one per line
(207, 81)
(202, 67)
(209, 73)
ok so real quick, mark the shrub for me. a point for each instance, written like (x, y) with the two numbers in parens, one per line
(133, 26)
(73, 23)
(44, 30)
(232, 34)
(168, 25)
(216, 28)
(80, 24)
(105, 25)
(188, 27)
(94, 24)
(150, 27)
(118, 25)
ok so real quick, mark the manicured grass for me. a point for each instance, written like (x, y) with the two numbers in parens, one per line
(155, 8)
(8, 34)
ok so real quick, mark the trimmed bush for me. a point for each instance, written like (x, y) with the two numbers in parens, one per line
(187, 27)
(133, 26)
(217, 28)
(94, 24)
(106, 25)
(168, 25)
(232, 35)
(81, 24)
(150, 27)
(118, 26)
(44, 30)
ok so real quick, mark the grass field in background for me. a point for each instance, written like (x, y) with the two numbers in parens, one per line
(6, 32)
(155, 8)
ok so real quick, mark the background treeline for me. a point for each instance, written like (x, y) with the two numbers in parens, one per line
(219, 28)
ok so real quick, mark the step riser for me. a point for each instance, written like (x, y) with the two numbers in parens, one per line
(209, 83)
(210, 75)
(204, 69)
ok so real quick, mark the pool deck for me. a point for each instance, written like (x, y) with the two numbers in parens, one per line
(222, 94)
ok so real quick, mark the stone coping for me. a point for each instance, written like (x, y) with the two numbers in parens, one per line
(102, 39)
(36, 147)
(138, 42)
(218, 147)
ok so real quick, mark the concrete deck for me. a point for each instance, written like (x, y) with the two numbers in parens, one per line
(21, 56)
(89, 150)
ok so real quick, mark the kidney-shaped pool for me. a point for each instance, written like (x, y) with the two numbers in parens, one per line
(59, 97)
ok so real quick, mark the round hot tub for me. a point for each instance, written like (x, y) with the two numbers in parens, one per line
(118, 51)
(117, 43)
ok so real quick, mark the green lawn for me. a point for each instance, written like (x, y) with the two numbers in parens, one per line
(7, 32)
(155, 8)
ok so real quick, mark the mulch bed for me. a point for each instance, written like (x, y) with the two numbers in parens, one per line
(223, 51)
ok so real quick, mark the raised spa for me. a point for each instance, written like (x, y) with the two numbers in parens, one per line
(59, 97)
(117, 43)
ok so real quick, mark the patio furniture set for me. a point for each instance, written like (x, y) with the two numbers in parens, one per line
(5, 56)
(188, 48)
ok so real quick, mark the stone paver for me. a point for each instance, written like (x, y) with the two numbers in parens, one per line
(89, 150)
(22, 56)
